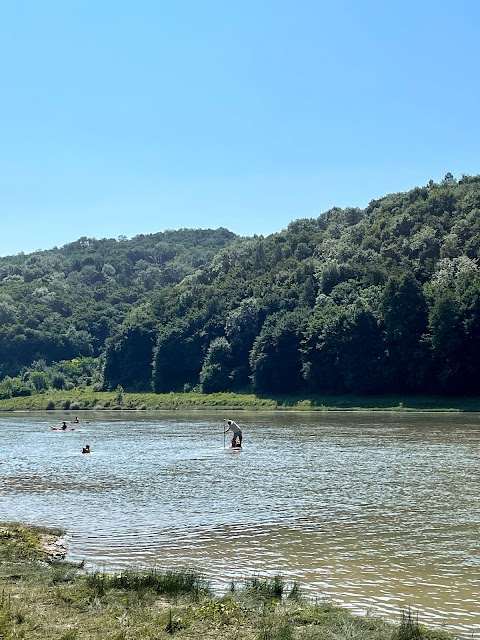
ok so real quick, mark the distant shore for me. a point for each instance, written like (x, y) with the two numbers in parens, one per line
(86, 399)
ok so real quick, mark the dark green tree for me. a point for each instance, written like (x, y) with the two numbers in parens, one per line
(404, 313)
(275, 356)
(128, 359)
(447, 340)
(177, 359)
(214, 375)
(343, 351)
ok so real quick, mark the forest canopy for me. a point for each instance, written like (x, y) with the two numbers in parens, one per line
(375, 300)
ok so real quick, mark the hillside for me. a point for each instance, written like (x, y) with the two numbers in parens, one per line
(374, 300)
(63, 303)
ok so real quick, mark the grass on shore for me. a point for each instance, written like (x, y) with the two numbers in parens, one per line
(84, 398)
(56, 600)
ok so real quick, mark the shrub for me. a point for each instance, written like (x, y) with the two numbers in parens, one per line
(58, 381)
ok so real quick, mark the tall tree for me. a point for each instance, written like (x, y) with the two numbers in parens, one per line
(447, 339)
(404, 310)
(214, 375)
(275, 357)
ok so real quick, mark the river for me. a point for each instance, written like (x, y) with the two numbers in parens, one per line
(376, 511)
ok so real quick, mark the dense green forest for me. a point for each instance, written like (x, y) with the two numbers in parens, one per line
(376, 300)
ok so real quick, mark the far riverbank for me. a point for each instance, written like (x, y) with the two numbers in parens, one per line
(85, 399)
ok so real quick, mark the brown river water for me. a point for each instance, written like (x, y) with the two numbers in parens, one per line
(375, 511)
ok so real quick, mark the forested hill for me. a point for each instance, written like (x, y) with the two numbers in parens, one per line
(380, 299)
(63, 303)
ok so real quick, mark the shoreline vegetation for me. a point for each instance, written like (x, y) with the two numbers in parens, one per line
(43, 596)
(85, 399)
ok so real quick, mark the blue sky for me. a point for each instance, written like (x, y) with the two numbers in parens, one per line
(120, 118)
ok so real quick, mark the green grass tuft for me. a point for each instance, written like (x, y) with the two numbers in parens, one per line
(409, 628)
(167, 583)
(265, 588)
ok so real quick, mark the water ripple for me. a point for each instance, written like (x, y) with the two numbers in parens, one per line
(375, 511)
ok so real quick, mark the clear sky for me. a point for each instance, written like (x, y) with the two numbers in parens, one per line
(120, 118)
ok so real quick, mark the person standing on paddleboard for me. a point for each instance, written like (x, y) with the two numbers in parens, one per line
(237, 433)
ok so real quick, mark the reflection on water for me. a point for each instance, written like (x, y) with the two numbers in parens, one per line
(376, 511)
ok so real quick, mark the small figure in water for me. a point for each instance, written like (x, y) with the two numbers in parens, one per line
(86, 449)
(64, 426)
(237, 433)
(76, 421)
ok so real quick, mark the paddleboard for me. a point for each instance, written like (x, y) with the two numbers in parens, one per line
(235, 448)
(60, 429)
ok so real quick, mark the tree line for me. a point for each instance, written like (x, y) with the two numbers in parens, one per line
(375, 300)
